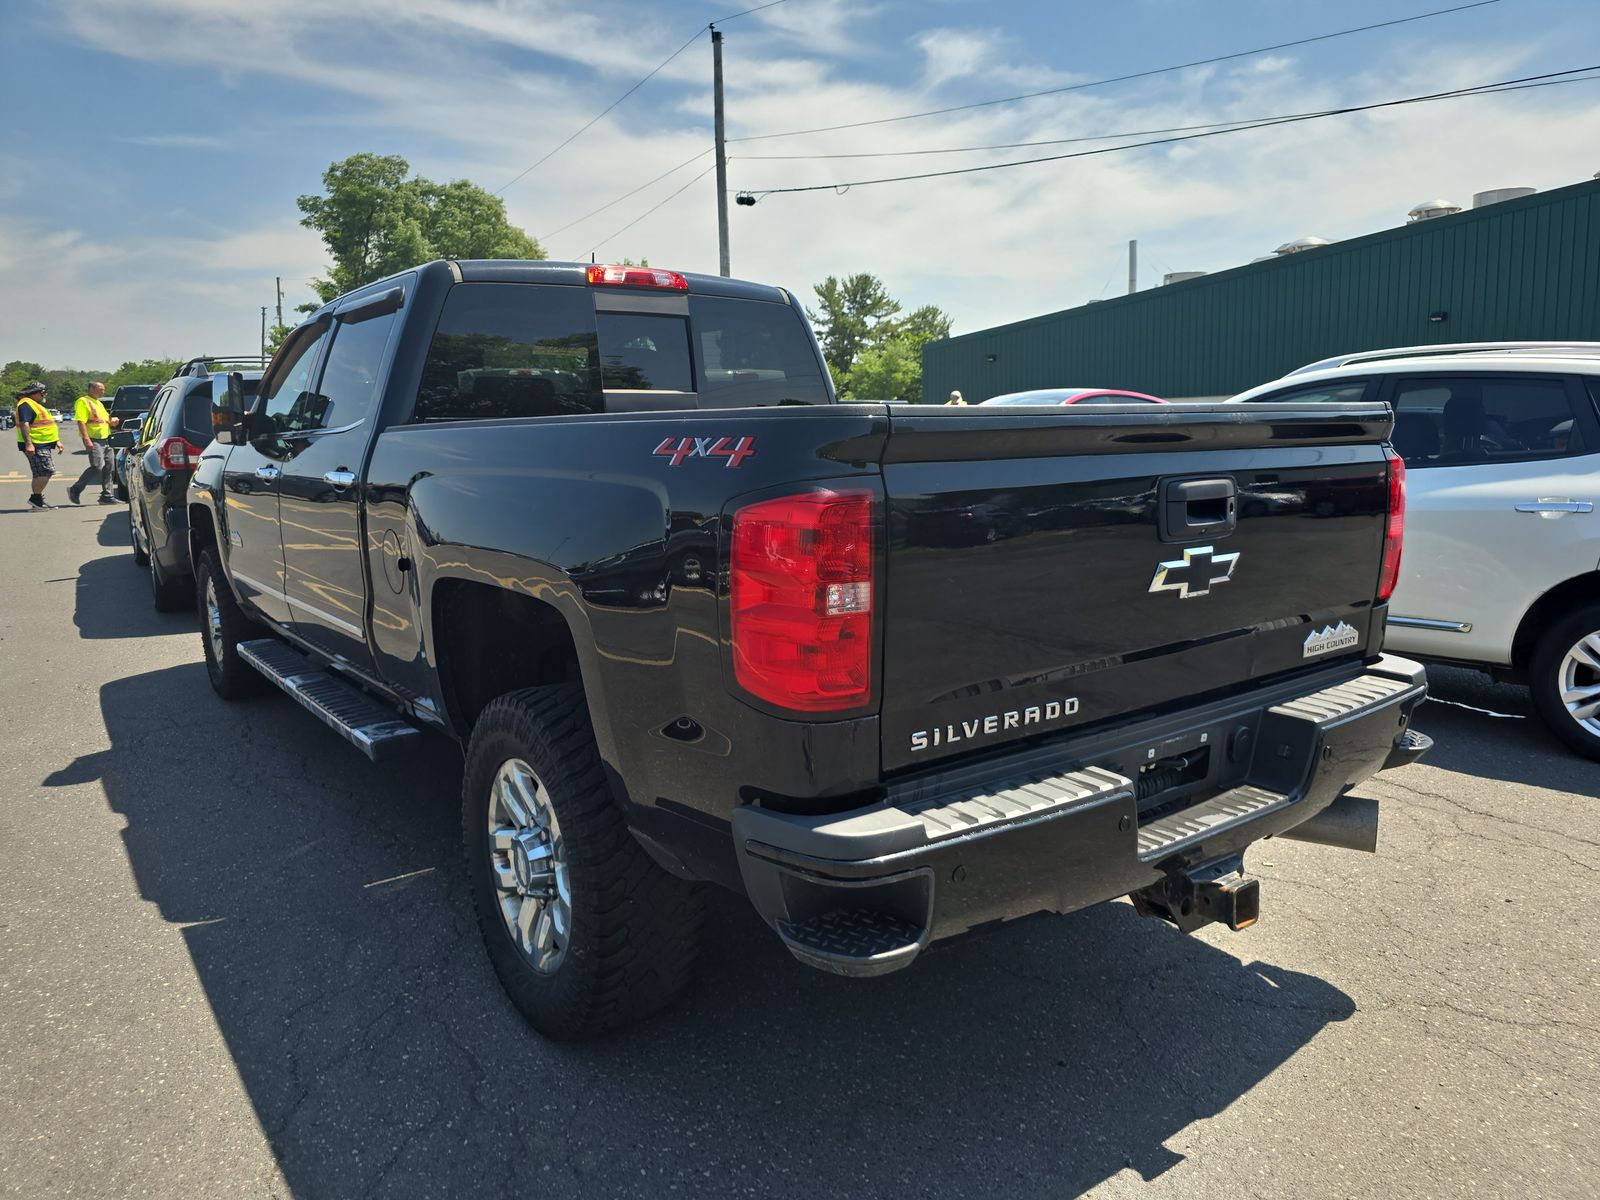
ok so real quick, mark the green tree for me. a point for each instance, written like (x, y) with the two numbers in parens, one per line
(851, 312)
(375, 219)
(872, 352)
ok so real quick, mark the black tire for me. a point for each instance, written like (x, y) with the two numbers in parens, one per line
(231, 677)
(120, 490)
(168, 594)
(634, 929)
(1545, 672)
(140, 558)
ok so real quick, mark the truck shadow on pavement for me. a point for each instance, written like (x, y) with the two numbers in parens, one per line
(323, 904)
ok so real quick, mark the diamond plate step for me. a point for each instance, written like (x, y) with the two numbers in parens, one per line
(1180, 829)
(360, 720)
(1343, 700)
(1022, 796)
(855, 941)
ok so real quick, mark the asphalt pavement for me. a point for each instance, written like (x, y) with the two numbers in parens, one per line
(238, 960)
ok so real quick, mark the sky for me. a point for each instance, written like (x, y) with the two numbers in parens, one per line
(153, 150)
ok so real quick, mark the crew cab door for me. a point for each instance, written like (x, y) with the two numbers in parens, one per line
(327, 433)
(250, 480)
(1503, 480)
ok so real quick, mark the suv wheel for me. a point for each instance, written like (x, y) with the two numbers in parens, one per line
(584, 930)
(1565, 678)
(223, 626)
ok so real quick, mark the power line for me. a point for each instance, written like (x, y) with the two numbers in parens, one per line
(1091, 137)
(647, 212)
(1483, 89)
(653, 73)
(626, 195)
(1078, 87)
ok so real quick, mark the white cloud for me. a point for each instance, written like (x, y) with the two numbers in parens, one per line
(490, 87)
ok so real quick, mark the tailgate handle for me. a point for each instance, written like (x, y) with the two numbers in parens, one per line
(1198, 508)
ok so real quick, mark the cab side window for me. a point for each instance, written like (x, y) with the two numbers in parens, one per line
(349, 384)
(289, 404)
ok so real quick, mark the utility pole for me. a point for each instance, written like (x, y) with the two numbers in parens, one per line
(263, 330)
(722, 151)
(279, 280)
(1133, 266)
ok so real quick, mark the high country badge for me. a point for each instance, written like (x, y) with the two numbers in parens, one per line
(1330, 639)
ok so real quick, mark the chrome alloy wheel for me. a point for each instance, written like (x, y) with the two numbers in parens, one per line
(1579, 681)
(213, 617)
(529, 864)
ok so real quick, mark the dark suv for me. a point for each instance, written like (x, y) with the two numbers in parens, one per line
(156, 470)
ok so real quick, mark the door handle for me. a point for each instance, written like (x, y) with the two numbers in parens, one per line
(339, 479)
(268, 472)
(1550, 506)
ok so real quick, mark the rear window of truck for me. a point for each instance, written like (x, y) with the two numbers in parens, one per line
(536, 350)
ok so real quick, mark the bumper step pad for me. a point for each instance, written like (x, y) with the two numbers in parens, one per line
(350, 712)
(1173, 832)
(853, 942)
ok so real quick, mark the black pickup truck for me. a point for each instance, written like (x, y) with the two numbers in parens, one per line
(895, 673)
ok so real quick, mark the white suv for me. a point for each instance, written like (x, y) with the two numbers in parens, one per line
(1501, 568)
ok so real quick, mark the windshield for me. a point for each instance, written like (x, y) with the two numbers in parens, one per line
(133, 397)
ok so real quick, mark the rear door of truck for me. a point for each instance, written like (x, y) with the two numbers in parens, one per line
(1066, 569)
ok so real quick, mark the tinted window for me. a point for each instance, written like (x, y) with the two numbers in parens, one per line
(350, 379)
(132, 398)
(644, 352)
(1444, 420)
(753, 352)
(152, 420)
(291, 405)
(195, 422)
(511, 350)
(1320, 393)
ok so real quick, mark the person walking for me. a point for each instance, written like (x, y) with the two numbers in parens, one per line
(94, 426)
(37, 437)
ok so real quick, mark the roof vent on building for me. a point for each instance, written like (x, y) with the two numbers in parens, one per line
(1497, 195)
(1299, 244)
(1180, 276)
(1429, 209)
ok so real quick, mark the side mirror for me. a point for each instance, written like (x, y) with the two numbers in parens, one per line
(228, 416)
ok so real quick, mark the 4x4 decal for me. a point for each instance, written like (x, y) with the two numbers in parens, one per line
(678, 449)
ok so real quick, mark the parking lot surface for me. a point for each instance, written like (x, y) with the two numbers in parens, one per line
(238, 960)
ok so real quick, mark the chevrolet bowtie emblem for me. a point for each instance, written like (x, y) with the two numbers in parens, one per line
(1196, 573)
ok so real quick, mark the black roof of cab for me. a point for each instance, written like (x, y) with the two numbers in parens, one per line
(544, 271)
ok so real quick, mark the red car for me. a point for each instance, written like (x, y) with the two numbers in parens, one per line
(1075, 396)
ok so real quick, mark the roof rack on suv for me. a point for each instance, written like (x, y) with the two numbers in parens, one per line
(1436, 349)
(201, 366)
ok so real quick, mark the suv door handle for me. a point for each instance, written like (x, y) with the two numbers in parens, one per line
(339, 479)
(268, 472)
(1550, 506)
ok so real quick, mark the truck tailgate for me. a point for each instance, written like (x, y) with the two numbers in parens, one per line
(1059, 568)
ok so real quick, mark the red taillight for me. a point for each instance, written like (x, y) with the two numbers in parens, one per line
(638, 277)
(801, 591)
(1395, 531)
(176, 454)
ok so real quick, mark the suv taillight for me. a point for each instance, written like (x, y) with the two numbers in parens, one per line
(1395, 531)
(800, 585)
(176, 454)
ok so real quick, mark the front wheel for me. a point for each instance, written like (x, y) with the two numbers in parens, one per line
(1564, 676)
(223, 626)
(584, 930)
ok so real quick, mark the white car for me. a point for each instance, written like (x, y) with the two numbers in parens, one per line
(1501, 566)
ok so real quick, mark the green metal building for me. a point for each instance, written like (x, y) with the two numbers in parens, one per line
(1524, 269)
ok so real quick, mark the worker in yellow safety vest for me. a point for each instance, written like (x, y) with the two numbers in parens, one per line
(36, 437)
(94, 426)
